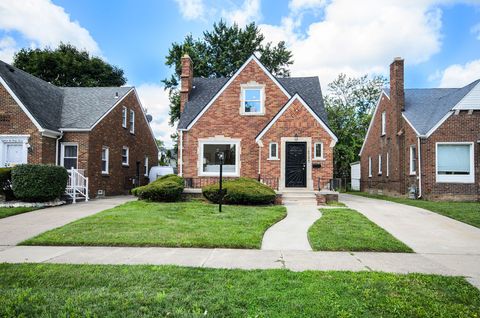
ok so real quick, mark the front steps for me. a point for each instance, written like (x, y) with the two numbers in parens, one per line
(299, 197)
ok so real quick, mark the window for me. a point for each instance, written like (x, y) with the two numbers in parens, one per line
(146, 166)
(273, 151)
(384, 123)
(379, 164)
(132, 121)
(124, 117)
(210, 163)
(388, 164)
(413, 160)
(455, 162)
(369, 167)
(318, 150)
(125, 156)
(252, 101)
(69, 155)
(105, 155)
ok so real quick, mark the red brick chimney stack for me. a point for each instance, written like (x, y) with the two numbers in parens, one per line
(186, 80)
(397, 89)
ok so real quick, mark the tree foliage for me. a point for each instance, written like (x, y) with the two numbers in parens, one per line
(349, 105)
(220, 53)
(68, 66)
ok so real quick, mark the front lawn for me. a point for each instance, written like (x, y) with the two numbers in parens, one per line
(53, 290)
(467, 212)
(347, 230)
(184, 224)
(4, 212)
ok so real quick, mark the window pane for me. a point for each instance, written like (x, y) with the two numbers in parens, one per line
(252, 107)
(318, 150)
(104, 165)
(273, 150)
(252, 94)
(70, 163)
(70, 151)
(211, 163)
(104, 154)
(453, 159)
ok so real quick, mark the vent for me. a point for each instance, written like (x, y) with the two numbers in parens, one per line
(100, 193)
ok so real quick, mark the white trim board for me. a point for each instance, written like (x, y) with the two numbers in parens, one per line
(284, 108)
(227, 84)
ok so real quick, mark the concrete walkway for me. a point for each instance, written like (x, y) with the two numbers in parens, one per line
(17, 228)
(424, 231)
(291, 232)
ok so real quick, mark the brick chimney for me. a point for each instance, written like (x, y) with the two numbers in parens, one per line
(186, 80)
(397, 90)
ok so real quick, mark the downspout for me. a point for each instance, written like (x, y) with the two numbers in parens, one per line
(180, 146)
(56, 147)
(260, 145)
(419, 169)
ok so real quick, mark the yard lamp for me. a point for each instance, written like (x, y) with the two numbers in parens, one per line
(220, 189)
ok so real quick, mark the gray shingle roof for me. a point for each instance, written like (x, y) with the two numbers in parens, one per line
(425, 107)
(60, 107)
(204, 89)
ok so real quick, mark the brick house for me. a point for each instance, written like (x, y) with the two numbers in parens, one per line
(102, 132)
(423, 142)
(272, 129)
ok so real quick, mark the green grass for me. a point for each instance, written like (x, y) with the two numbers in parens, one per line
(54, 290)
(347, 230)
(4, 212)
(336, 203)
(467, 212)
(185, 224)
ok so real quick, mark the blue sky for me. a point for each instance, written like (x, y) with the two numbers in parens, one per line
(439, 39)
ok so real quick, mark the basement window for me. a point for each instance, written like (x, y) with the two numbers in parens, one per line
(455, 162)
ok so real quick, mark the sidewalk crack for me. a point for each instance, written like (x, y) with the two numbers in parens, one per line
(281, 260)
(360, 261)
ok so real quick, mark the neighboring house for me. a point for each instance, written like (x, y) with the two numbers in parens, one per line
(101, 131)
(424, 142)
(273, 129)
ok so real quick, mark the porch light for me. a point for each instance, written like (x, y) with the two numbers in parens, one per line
(296, 137)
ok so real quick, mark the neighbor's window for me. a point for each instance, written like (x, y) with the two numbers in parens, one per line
(318, 151)
(124, 117)
(273, 152)
(105, 156)
(252, 100)
(379, 164)
(132, 121)
(369, 167)
(455, 162)
(388, 164)
(211, 162)
(413, 160)
(384, 123)
(69, 155)
(146, 166)
(125, 156)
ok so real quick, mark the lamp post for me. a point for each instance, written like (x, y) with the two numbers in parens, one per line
(220, 158)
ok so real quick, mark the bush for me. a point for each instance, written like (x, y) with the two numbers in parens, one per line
(244, 191)
(6, 183)
(38, 183)
(168, 188)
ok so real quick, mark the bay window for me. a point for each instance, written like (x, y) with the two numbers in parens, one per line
(210, 162)
(455, 162)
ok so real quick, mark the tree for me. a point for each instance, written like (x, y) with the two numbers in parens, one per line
(68, 66)
(220, 53)
(349, 105)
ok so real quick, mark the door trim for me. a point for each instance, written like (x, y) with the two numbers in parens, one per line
(283, 141)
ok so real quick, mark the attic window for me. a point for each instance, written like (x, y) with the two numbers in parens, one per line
(252, 100)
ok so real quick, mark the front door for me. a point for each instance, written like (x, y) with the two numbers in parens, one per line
(296, 165)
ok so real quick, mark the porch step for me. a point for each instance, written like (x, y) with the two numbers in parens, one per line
(299, 197)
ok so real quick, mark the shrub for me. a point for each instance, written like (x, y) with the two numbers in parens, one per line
(6, 183)
(245, 191)
(168, 188)
(38, 183)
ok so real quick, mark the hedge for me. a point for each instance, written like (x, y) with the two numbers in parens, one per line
(168, 188)
(38, 183)
(244, 191)
(6, 183)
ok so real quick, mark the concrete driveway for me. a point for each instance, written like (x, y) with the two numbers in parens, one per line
(424, 231)
(17, 228)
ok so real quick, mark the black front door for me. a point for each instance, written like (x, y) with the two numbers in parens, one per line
(296, 165)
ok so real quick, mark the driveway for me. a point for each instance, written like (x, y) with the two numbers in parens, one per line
(17, 228)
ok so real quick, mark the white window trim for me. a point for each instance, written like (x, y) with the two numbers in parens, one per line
(470, 178)
(216, 141)
(322, 157)
(145, 163)
(124, 117)
(245, 87)
(6, 139)
(128, 156)
(270, 157)
(107, 159)
(369, 167)
(62, 152)
(380, 165)
(412, 155)
(132, 121)
(388, 164)
(384, 123)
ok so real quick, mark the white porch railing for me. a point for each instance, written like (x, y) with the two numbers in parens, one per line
(77, 185)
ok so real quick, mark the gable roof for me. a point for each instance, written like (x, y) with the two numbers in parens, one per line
(53, 108)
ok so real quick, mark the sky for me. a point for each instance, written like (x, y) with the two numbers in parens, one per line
(439, 39)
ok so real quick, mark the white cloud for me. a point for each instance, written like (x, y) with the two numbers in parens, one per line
(460, 75)
(191, 9)
(476, 30)
(43, 24)
(155, 99)
(248, 12)
(8, 47)
(297, 5)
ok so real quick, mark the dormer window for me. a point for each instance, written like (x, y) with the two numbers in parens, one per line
(252, 100)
